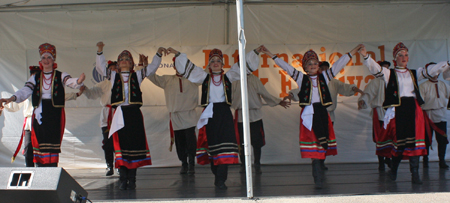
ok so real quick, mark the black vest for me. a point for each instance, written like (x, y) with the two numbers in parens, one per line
(205, 89)
(118, 92)
(392, 95)
(305, 94)
(58, 94)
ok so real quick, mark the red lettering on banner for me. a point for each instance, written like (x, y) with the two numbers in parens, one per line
(297, 62)
(323, 56)
(265, 64)
(368, 78)
(206, 51)
(236, 56)
(372, 55)
(381, 48)
(284, 83)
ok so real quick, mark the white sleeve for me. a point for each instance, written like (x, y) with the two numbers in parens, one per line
(338, 65)
(100, 64)
(252, 64)
(151, 67)
(292, 72)
(376, 69)
(26, 91)
(189, 70)
(70, 82)
(294, 93)
(433, 70)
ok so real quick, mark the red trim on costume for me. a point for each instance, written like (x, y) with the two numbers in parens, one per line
(20, 142)
(132, 164)
(309, 147)
(419, 149)
(376, 125)
(429, 123)
(172, 134)
(202, 147)
(236, 128)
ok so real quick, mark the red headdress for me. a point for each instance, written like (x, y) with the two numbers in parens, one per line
(128, 54)
(47, 48)
(399, 47)
(309, 55)
(215, 52)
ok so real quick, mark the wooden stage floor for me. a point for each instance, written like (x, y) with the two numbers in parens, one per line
(276, 180)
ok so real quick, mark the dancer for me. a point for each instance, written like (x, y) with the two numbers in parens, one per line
(102, 90)
(336, 87)
(255, 90)
(48, 98)
(435, 94)
(27, 114)
(181, 101)
(127, 126)
(374, 95)
(317, 139)
(217, 138)
(404, 125)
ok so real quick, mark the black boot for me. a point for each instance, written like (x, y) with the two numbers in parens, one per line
(381, 163)
(388, 162)
(442, 148)
(257, 153)
(242, 158)
(123, 171)
(395, 163)
(191, 166)
(322, 165)
(425, 161)
(131, 179)
(184, 168)
(317, 173)
(414, 168)
(109, 169)
(258, 168)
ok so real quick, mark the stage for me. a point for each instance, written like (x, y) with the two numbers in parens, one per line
(275, 181)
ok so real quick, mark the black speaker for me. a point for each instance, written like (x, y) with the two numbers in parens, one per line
(49, 184)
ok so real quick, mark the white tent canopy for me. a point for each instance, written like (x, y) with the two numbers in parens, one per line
(289, 28)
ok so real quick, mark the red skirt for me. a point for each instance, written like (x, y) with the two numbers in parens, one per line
(396, 140)
(309, 144)
(130, 142)
(46, 138)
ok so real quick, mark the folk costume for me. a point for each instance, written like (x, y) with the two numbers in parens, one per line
(335, 87)
(181, 100)
(48, 98)
(374, 97)
(404, 124)
(255, 90)
(217, 139)
(127, 125)
(435, 94)
(317, 138)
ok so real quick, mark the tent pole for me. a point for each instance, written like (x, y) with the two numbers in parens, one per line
(245, 116)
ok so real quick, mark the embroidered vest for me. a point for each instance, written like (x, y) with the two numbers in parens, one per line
(118, 92)
(205, 89)
(58, 94)
(305, 94)
(392, 95)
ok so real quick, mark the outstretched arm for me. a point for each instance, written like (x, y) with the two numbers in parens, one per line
(252, 64)
(292, 72)
(100, 62)
(186, 68)
(342, 62)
